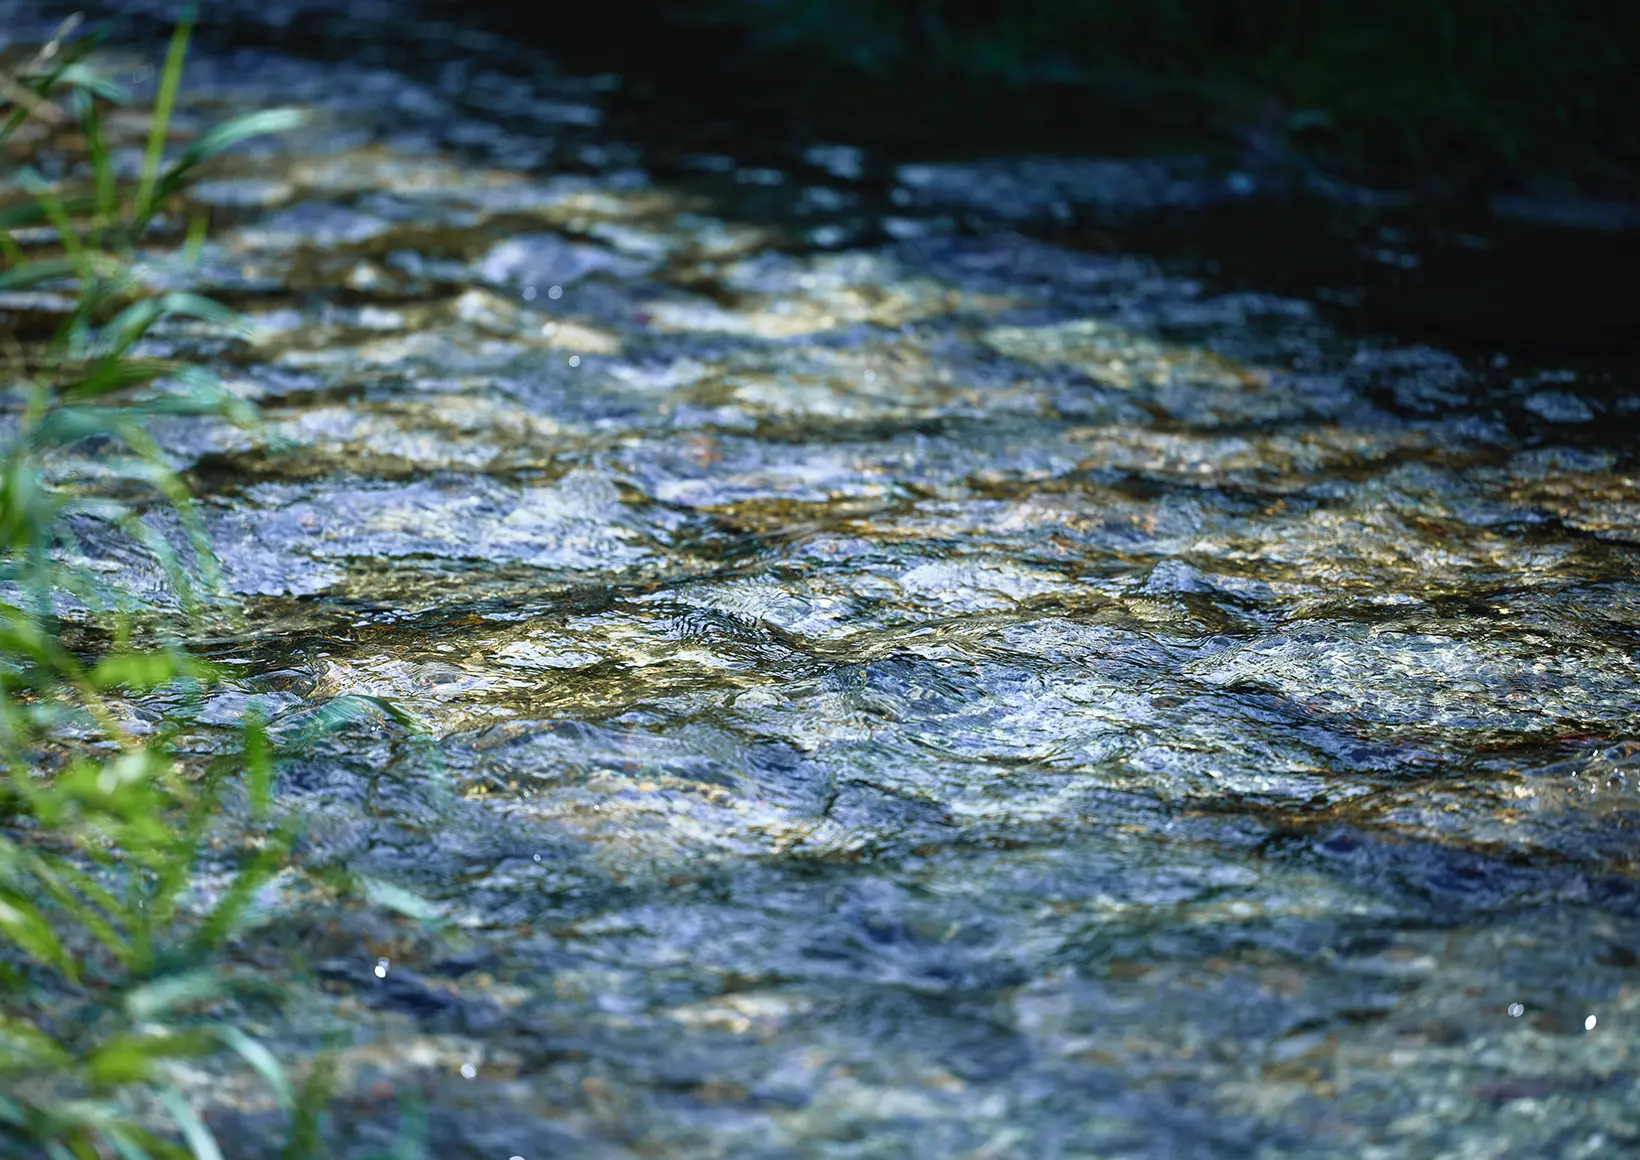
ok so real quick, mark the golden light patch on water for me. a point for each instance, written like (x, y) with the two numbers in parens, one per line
(476, 322)
(632, 834)
(1120, 357)
(744, 1012)
(1606, 502)
(503, 317)
(1289, 460)
(695, 243)
(378, 167)
(824, 304)
(398, 435)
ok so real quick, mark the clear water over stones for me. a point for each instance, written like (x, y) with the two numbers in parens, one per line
(957, 697)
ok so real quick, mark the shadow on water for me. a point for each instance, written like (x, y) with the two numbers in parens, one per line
(1447, 271)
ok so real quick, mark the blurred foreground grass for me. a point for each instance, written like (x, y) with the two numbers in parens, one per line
(110, 965)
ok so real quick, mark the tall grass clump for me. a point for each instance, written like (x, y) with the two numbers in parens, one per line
(110, 968)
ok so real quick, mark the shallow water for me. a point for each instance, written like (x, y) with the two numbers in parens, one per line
(890, 684)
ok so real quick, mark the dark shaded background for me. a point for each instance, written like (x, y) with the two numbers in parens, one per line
(1463, 92)
(1459, 107)
(1458, 95)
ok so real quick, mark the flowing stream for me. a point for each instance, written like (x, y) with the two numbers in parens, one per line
(894, 674)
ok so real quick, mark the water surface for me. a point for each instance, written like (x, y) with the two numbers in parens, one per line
(894, 677)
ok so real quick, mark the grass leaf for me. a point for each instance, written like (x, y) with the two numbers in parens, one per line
(261, 1061)
(164, 104)
(304, 1141)
(198, 1137)
(258, 765)
(220, 138)
(80, 76)
(24, 925)
(152, 1001)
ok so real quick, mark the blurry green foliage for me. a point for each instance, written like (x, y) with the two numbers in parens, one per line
(109, 971)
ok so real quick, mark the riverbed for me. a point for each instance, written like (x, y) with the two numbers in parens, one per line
(895, 661)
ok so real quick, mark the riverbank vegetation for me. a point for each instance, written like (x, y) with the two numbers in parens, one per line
(111, 964)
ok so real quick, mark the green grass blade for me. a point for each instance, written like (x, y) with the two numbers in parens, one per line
(27, 214)
(113, 373)
(155, 1000)
(222, 137)
(194, 1132)
(88, 80)
(102, 167)
(37, 271)
(258, 765)
(182, 584)
(137, 319)
(164, 104)
(125, 1147)
(229, 914)
(305, 1141)
(32, 933)
(261, 1061)
(61, 881)
(212, 579)
(24, 1047)
(57, 214)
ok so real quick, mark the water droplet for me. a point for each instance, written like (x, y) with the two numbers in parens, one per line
(468, 1071)
(555, 292)
(1516, 1010)
(1588, 1024)
(538, 857)
(529, 294)
(381, 968)
(574, 360)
